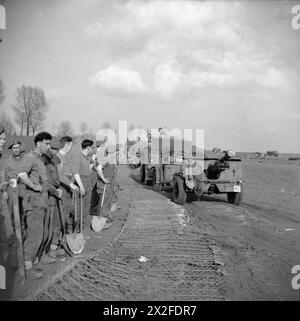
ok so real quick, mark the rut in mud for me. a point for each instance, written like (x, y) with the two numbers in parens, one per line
(180, 262)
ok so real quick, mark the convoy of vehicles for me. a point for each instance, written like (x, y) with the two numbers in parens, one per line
(164, 169)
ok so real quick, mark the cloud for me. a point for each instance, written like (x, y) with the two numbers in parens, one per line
(117, 78)
(295, 117)
(174, 48)
(167, 78)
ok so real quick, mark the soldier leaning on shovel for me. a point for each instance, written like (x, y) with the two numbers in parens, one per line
(105, 187)
(83, 176)
(65, 171)
(33, 174)
(52, 226)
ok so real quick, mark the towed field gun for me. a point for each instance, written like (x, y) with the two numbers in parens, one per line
(215, 169)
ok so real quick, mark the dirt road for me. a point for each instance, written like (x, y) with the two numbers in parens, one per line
(258, 242)
(207, 250)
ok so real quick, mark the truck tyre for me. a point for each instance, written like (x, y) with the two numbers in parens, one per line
(142, 174)
(234, 197)
(156, 187)
(179, 194)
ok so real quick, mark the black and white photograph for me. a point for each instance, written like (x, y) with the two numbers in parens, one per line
(149, 153)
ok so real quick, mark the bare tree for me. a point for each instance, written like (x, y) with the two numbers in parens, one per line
(6, 122)
(65, 129)
(37, 122)
(2, 95)
(20, 119)
(83, 127)
(31, 105)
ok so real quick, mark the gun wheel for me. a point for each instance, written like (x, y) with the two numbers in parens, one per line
(235, 197)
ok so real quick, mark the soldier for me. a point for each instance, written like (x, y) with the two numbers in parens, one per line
(34, 175)
(65, 171)
(106, 171)
(82, 175)
(12, 168)
(193, 173)
(52, 226)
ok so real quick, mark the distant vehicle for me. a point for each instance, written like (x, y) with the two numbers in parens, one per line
(272, 153)
(219, 176)
(259, 155)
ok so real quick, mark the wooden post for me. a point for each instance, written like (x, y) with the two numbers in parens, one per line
(18, 231)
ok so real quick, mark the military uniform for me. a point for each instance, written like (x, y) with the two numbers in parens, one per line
(12, 168)
(109, 171)
(52, 226)
(82, 167)
(192, 171)
(35, 204)
(65, 172)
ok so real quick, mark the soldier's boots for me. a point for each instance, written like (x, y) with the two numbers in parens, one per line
(34, 275)
(46, 259)
(53, 253)
(32, 272)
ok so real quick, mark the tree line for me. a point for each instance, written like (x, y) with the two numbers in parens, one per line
(30, 112)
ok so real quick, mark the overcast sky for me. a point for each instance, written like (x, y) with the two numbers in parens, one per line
(231, 68)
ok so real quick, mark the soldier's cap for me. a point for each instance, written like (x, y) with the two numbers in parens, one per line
(14, 142)
(55, 144)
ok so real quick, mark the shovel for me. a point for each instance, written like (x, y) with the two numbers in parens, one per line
(64, 230)
(18, 231)
(75, 240)
(97, 221)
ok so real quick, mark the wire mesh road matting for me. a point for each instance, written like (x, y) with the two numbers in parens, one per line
(180, 264)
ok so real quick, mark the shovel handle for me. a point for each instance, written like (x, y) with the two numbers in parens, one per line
(62, 216)
(103, 195)
(75, 195)
(64, 236)
(81, 209)
(18, 231)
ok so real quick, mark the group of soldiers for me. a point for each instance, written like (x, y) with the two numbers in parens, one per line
(47, 179)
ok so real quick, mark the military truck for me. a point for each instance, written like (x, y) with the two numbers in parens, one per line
(219, 175)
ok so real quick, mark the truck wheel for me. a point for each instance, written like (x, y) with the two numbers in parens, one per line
(156, 187)
(179, 194)
(234, 197)
(142, 174)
